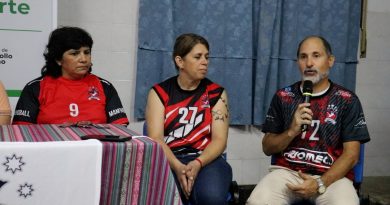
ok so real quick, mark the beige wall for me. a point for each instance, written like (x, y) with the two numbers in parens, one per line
(373, 83)
(113, 26)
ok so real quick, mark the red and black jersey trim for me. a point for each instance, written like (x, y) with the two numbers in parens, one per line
(29, 105)
(188, 114)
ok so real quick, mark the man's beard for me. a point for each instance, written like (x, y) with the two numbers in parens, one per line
(317, 77)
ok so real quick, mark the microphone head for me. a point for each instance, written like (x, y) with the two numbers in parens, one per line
(307, 87)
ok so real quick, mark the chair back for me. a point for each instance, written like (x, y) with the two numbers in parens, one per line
(358, 170)
(145, 129)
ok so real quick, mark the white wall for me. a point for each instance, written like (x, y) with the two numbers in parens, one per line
(372, 87)
(113, 26)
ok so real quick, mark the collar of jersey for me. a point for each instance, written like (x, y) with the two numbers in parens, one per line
(320, 93)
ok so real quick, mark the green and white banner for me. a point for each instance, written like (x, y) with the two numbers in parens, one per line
(25, 26)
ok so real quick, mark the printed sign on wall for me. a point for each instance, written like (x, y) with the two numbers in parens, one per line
(25, 26)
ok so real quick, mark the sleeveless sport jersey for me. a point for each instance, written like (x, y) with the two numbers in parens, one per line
(337, 117)
(48, 100)
(188, 114)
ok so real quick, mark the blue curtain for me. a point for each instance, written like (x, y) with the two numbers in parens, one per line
(252, 45)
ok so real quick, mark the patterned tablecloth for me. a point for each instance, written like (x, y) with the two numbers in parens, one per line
(134, 172)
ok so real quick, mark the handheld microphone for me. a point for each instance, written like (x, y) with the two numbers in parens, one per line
(307, 93)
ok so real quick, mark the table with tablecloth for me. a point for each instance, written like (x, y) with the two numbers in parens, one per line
(133, 172)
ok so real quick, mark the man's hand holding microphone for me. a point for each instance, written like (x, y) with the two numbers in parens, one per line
(303, 114)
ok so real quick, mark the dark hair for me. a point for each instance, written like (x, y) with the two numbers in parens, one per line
(184, 44)
(61, 40)
(325, 43)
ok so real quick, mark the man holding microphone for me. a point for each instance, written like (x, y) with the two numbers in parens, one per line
(314, 138)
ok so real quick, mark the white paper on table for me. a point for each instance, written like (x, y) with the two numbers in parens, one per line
(47, 173)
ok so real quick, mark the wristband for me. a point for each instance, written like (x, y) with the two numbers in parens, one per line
(200, 162)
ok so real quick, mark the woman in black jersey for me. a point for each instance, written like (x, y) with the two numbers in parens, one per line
(188, 115)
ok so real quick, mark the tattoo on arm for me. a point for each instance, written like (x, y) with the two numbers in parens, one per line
(225, 103)
(219, 115)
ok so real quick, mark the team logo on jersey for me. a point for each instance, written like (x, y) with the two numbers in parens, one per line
(269, 118)
(306, 156)
(286, 92)
(205, 101)
(361, 122)
(286, 95)
(343, 94)
(93, 93)
(331, 114)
